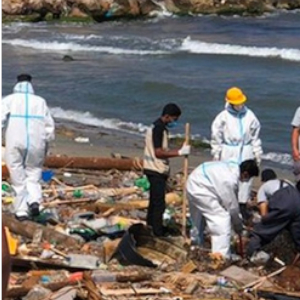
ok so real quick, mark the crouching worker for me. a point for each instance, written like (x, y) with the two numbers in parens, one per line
(283, 213)
(212, 190)
(271, 184)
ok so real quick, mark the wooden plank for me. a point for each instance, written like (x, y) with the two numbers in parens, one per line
(129, 291)
(189, 267)
(171, 198)
(239, 275)
(28, 228)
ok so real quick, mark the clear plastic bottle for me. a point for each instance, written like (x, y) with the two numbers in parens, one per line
(194, 236)
(103, 276)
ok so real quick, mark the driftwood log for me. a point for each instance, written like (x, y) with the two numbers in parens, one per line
(28, 228)
(94, 163)
(91, 163)
(171, 198)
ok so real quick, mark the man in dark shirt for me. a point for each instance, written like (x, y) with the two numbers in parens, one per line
(283, 213)
(156, 164)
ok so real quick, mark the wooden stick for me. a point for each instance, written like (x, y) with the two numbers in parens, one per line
(296, 258)
(55, 203)
(260, 280)
(185, 175)
(241, 246)
(171, 198)
(72, 188)
(58, 252)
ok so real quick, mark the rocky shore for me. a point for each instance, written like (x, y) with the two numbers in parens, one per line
(102, 10)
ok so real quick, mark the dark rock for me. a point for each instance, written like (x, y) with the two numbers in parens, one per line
(67, 58)
(102, 10)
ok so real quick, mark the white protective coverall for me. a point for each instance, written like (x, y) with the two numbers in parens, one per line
(29, 127)
(212, 193)
(235, 136)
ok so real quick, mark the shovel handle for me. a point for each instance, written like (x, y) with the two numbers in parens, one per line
(185, 175)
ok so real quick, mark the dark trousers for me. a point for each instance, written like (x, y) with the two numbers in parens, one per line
(271, 225)
(157, 203)
(246, 215)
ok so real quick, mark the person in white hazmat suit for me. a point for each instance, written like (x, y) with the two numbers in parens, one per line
(29, 128)
(235, 136)
(212, 190)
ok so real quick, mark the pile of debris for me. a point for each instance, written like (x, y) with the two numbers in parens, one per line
(91, 242)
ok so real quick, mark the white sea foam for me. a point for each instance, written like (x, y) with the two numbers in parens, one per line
(83, 118)
(198, 47)
(165, 46)
(57, 46)
(280, 158)
(87, 118)
(161, 13)
(82, 37)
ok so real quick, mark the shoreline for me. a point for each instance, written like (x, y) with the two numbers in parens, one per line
(102, 142)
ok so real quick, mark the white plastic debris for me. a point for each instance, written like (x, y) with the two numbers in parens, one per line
(260, 257)
(81, 139)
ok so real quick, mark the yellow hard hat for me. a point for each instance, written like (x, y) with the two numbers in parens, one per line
(235, 96)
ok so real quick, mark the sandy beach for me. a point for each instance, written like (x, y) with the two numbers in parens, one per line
(73, 139)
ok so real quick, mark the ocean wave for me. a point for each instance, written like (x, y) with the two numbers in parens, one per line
(157, 47)
(57, 46)
(199, 47)
(280, 158)
(87, 118)
(80, 37)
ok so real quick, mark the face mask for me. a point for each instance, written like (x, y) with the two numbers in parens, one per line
(172, 124)
(238, 107)
(244, 178)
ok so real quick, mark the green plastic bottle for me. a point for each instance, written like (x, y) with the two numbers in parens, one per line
(77, 193)
(6, 187)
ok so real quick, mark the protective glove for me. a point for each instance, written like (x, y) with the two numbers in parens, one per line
(236, 221)
(258, 161)
(46, 148)
(216, 157)
(184, 150)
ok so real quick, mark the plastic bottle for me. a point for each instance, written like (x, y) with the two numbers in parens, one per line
(103, 276)
(86, 233)
(194, 236)
(7, 189)
(86, 194)
(45, 279)
(222, 281)
(77, 193)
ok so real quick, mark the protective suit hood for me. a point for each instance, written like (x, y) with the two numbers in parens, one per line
(232, 111)
(23, 87)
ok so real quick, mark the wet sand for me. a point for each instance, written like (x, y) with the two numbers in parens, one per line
(105, 143)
